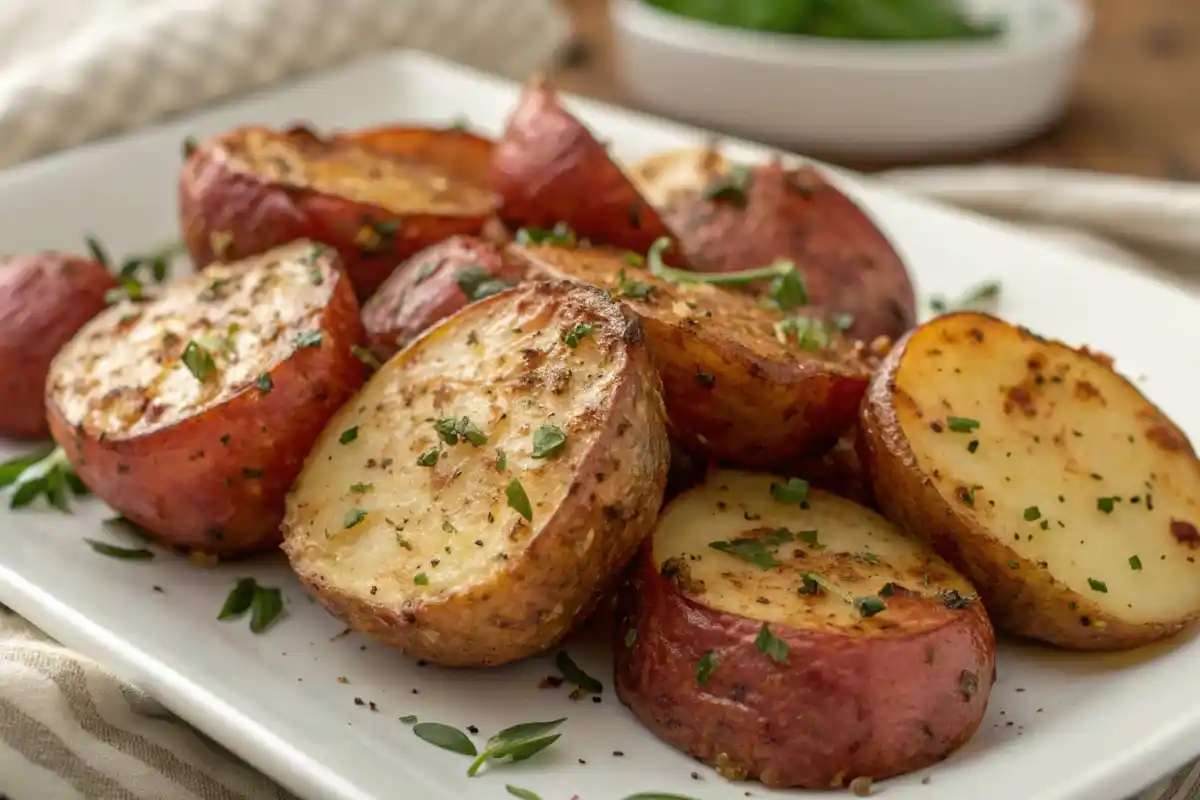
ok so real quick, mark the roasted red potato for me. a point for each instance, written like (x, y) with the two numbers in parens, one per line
(376, 195)
(191, 414)
(739, 386)
(550, 169)
(788, 635)
(736, 218)
(44, 300)
(431, 286)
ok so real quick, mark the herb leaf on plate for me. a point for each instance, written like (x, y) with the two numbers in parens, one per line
(524, 794)
(239, 599)
(574, 674)
(518, 742)
(116, 551)
(42, 474)
(265, 607)
(445, 737)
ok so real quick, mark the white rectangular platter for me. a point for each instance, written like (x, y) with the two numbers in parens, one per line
(1060, 726)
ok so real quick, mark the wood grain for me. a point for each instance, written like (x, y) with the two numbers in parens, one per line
(1135, 110)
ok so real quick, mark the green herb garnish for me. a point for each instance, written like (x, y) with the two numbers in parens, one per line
(115, 551)
(265, 608)
(574, 674)
(961, 424)
(1106, 504)
(773, 646)
(524, 794)
(705, 667)
(560, 236)
(548, 440)
(349, 435)
(1135, 563)
(794, 490)
(518, 500)
(577, 334)
(199, 361)
(42, 474)
(264, 383)
(308, 339)
(982, 297)
(421, 579)
(429, 458)
(787, 289)
(870, 605)
(477, 283)
(239, 599)
(353, 517)
(633, 289)
(518, 743)
(501, 460)
(749, 550)
(1032, 513)
(362, 488)
(1098, 586)
(445, 737)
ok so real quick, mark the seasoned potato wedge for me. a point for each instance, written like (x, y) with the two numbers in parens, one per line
(675, 177)
(1070, 499)
(472, 504)
(431, 286)
(550, 169)
(792, 636)
(44, 300)
(192, 414)
(728, 218)
(737, 389)
(377, 196)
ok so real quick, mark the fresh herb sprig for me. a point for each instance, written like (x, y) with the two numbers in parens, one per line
(787, 289)
(518, 743)
(265, 604)
(47, 474)
(981, 297)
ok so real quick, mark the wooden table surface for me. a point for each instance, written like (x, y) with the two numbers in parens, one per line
(1135, 110)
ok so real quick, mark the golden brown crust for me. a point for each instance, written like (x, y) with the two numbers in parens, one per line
(431, 286)
(592, 505)
(377, 195)
(1023, 594)
(44, 300)
(212, 478)
(714, 348)
(747, 666)
(549, 169)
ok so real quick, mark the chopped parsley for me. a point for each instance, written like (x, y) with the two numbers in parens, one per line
(770, 644)
(750, 550)
(264, 383)
(794, 490)
(869, 606)
(1106, 504)
(1098, 586)
(1032, 513)
(627, 287)
(961, 424)
(705, 667)
(429, 458)
(573, 673)
(362, 488)
(548, 440)
(349, 435)
(518, 500)
(560, 236)
(308, 339)
(353, 517)
(501, 460)
(449, 430)
(198, 361)
(421, 579)
(477, 283)
(573, 337)
(1135, 563)
(729, 188)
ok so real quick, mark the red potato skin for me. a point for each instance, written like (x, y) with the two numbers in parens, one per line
(848, 264)
(843, 707)
(253, 215)
(549, 168)
(414, 298)
(44, 300)
(188, 487)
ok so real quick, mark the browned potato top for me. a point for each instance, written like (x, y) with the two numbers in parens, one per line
(230, 324)
(1058, 459)
(540, 355)
(347, 167)
(737, 546)
(728, 319)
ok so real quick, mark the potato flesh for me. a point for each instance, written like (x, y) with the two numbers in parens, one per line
(354, 173)
(857, 552)
(123, 375)
(664, 178)
(509, 374)
(1053, 442)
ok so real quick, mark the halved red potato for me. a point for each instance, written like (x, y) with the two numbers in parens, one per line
(549, 169)
(1071, 500)
(735, 217)
(191, 414)
(739, 386)
(431, 286)
(790, 636)
(377, 195)
(477, 498)
(45, 299)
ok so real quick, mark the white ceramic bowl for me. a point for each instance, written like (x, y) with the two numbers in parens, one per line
(875, 99)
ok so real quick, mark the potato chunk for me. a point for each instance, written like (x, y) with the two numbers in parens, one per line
(1070, 499)
(473, 502)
